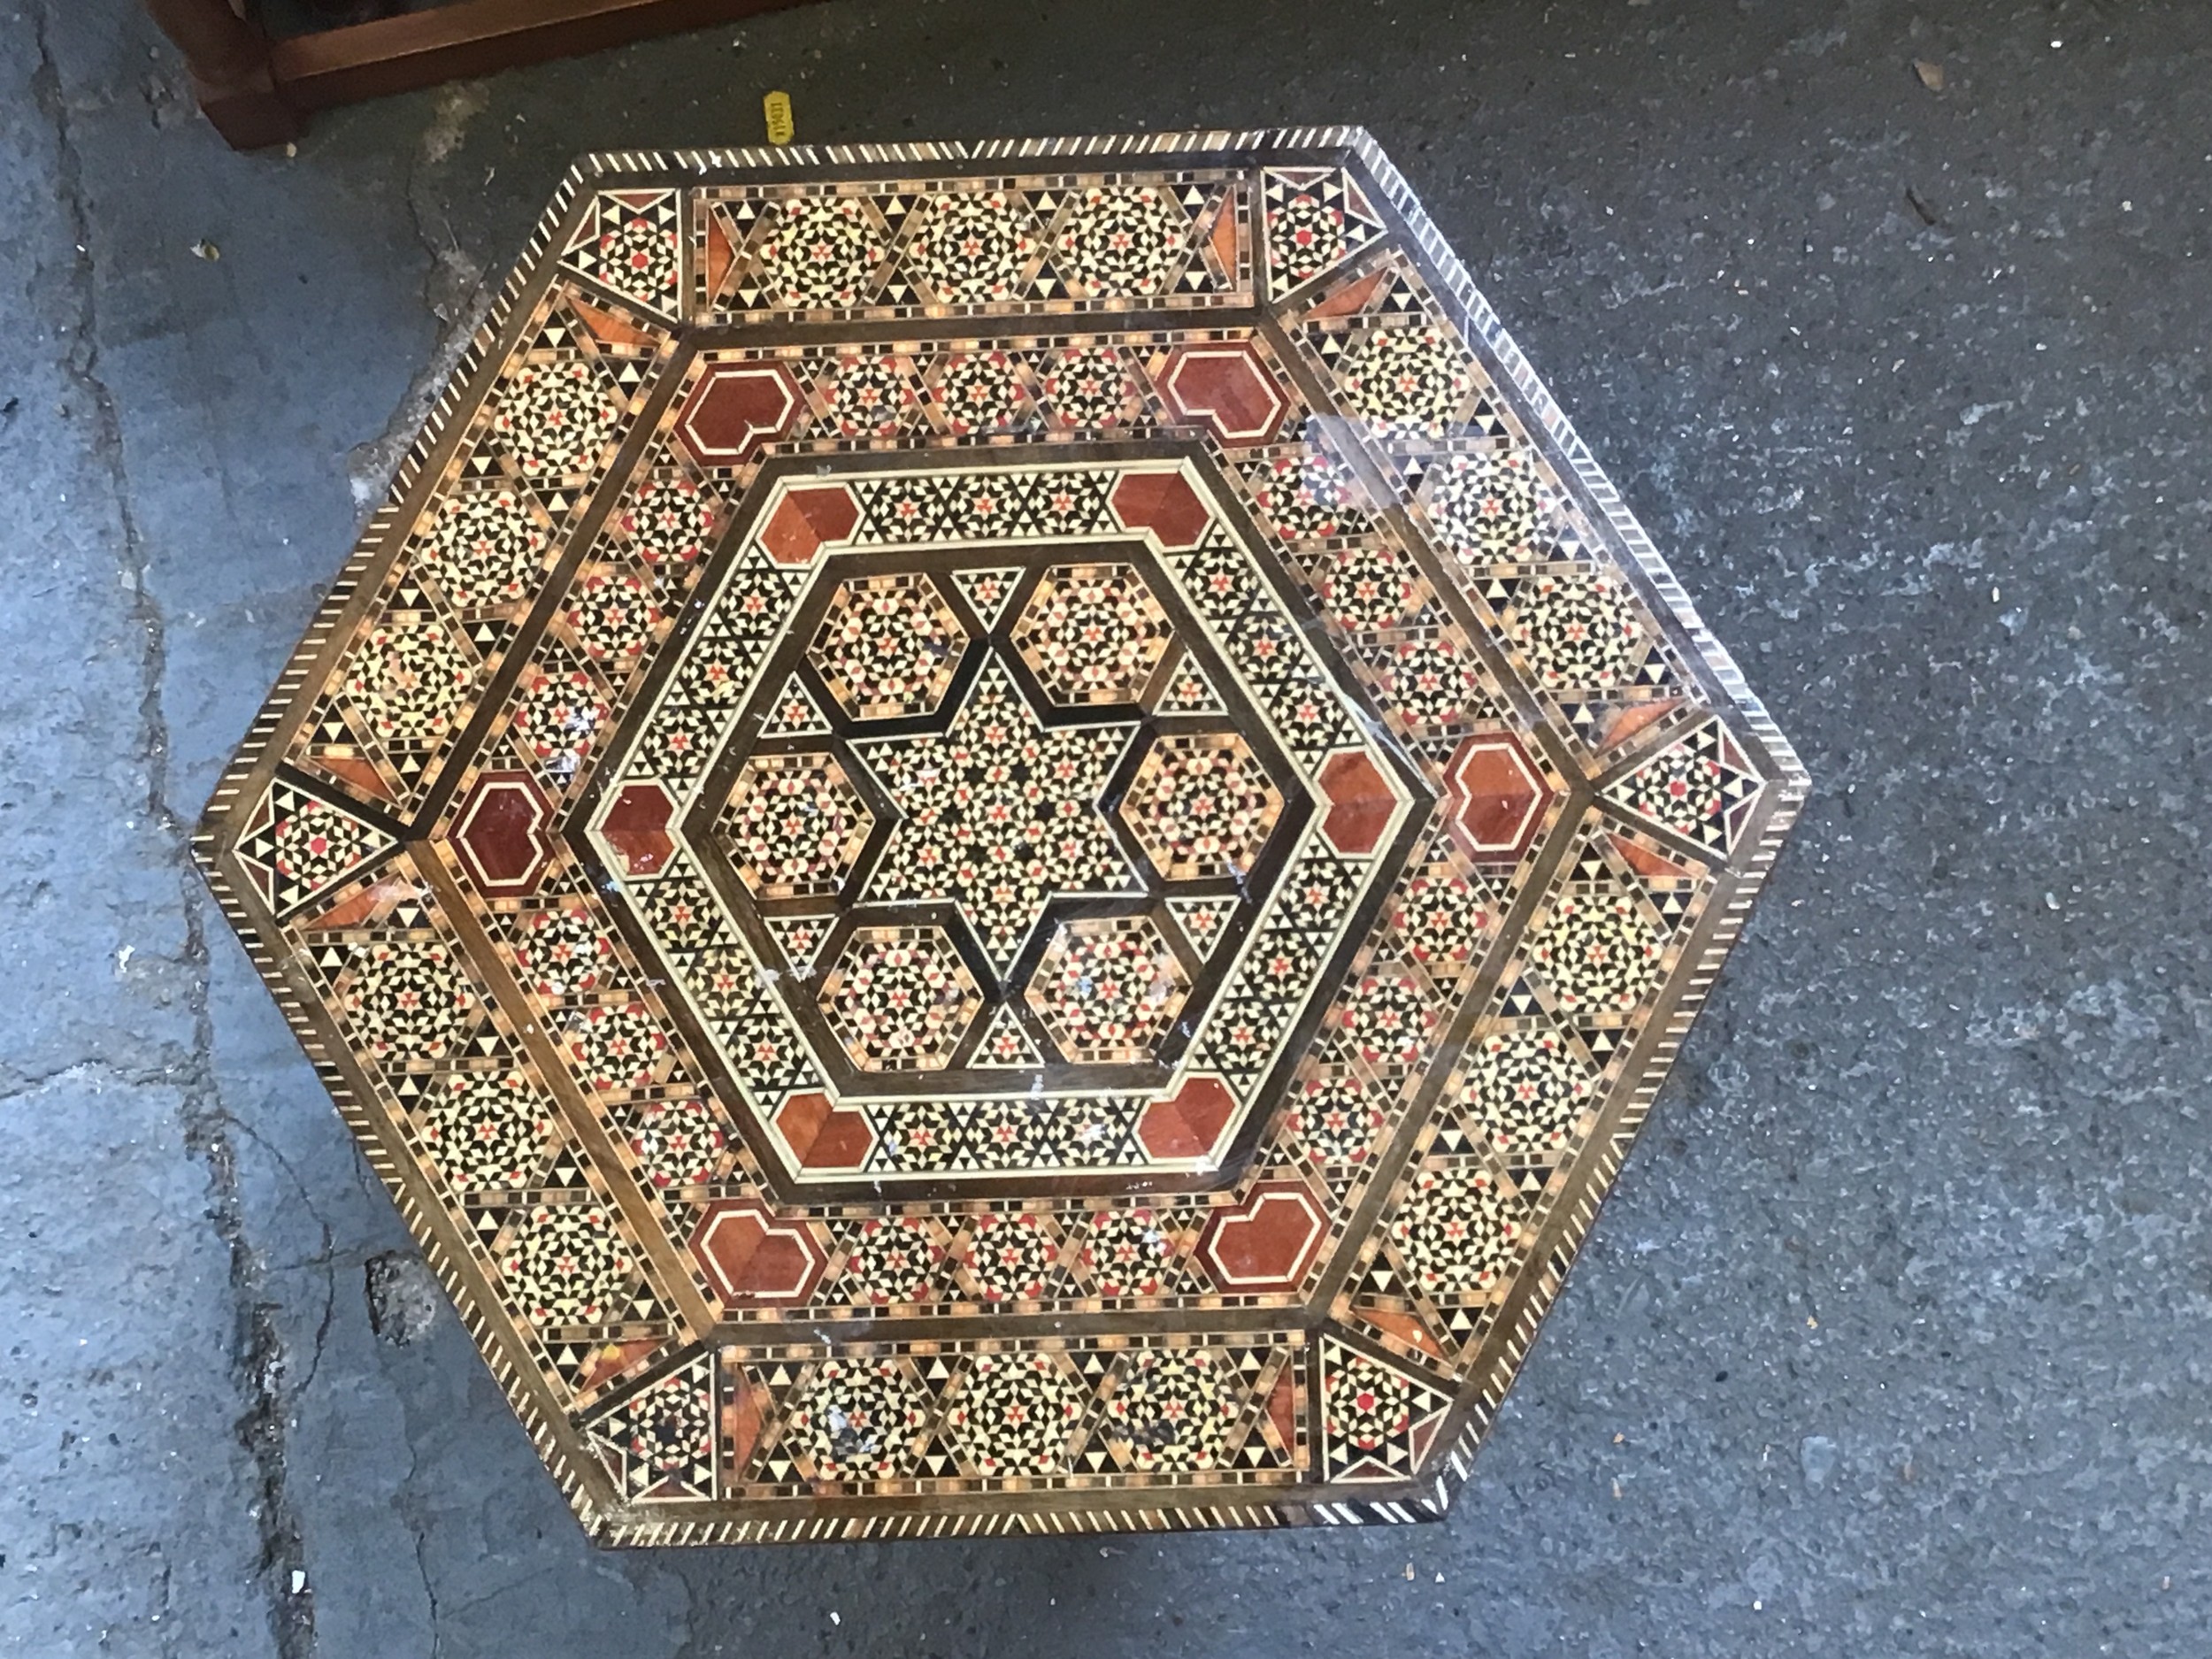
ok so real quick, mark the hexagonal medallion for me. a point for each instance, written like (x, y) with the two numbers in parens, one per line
(1201, 806)
(793, 825)
(1092, 633)
(887, 647)
(999, 838)
(1108, 988)
(899, 999)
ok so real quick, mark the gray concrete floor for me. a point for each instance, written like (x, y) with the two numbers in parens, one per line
(1896, 1336)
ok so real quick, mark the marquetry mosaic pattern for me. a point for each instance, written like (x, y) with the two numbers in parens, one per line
(999, 841)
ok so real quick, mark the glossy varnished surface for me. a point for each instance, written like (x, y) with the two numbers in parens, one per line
(999, 840)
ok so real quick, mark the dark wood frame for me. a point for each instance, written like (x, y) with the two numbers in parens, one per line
(259, 91)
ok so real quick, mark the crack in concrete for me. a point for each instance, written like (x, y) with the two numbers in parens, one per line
(324, 1261)
(418, 1534)
(23, 1086)
(454, 290)
(257, 1353)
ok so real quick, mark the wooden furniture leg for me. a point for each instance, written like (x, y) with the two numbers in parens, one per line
(255, 90)
(230, 72)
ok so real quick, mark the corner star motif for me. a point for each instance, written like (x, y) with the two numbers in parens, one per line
(999, 814)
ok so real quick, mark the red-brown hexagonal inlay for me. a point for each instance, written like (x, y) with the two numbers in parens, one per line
(735, 409)
(1187, 1123)
(822, 1136)
(501, 833)
(635, 828)
(1228, 387)
(752, 1258)
(1497, 794)
(1267, 1241)
(1163, 503)
(806, 518)
(1359, 802)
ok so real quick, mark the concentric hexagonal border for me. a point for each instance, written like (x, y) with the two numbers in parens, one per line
(1025, 552)
(1449, 1431)
(1392, 800)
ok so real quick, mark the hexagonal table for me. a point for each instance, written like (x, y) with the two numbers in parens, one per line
(999, 838)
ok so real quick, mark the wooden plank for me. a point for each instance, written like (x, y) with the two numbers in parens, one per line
(476, 37)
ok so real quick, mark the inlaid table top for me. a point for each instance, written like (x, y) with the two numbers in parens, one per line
(998, 838)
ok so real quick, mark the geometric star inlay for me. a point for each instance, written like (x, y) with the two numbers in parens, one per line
(999, 814)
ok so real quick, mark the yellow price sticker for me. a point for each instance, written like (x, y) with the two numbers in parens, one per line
(777, 107)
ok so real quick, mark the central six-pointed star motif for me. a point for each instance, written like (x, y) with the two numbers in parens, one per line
(999, 813)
